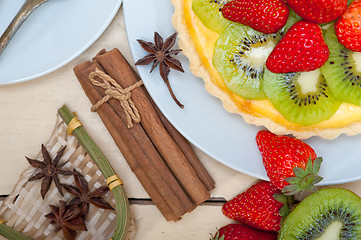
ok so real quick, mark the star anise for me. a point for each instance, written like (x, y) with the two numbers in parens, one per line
(67, 218)
(49, 170)
(161, 53)
(83, 196)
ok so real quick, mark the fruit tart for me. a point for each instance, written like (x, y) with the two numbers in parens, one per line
(317, 93)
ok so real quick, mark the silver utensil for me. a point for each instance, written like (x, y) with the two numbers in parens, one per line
(26, 9)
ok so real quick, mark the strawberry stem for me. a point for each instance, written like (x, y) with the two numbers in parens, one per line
(287, 201)
(305, 179)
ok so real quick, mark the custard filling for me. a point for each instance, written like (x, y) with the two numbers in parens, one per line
(204, 40)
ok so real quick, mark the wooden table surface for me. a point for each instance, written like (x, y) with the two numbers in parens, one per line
(28, 113)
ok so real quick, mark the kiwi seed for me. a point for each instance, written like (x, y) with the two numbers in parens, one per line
(302, 98)
(220, 2)
(330, 213)
(239, 56)
(245, 46)
(350, 76)
(342, 70)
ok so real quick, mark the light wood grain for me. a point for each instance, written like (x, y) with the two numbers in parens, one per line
(28, 113)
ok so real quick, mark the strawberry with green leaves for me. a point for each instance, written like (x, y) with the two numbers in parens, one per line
(242, 232)
(318, 11)
(267, 16)
(257, 207)
(348, 27)
(291, 164)
(301, 49)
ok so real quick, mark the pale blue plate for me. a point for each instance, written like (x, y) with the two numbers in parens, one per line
(54, 34)
(204, 122)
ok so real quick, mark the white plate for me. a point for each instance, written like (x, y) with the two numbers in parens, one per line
(54, 34)
(204, 122)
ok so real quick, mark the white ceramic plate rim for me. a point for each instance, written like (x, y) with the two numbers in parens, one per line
(72, 55)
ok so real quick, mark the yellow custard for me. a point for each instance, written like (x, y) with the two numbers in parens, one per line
(198, 43)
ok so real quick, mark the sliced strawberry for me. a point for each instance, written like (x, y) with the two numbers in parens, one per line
(348, 27)
(318, 11)
(267, 16)
(301, 49)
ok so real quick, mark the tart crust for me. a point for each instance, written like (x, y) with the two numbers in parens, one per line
(347, 120)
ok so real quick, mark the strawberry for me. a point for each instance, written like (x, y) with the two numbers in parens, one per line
(318, 11)
(257, 207)
(242, 232)
(348, 27)
(267, 16)
(301, 49)
(290, 163)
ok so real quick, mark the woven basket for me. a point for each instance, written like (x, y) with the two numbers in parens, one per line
(25, 210)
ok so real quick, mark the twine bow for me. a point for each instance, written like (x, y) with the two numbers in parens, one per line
(114, 90)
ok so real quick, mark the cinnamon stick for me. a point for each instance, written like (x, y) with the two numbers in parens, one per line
(116, 66)
(183, 144)
(161, 158)
(160, 168)
(134, 156)
(188, 151)
(154, 157)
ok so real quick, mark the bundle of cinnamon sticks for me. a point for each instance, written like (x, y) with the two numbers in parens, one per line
(161, 158)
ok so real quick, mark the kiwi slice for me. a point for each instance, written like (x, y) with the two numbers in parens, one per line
(210, 13)
(240, 55)
(342, 70)
(302, 97)
(329, 214)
